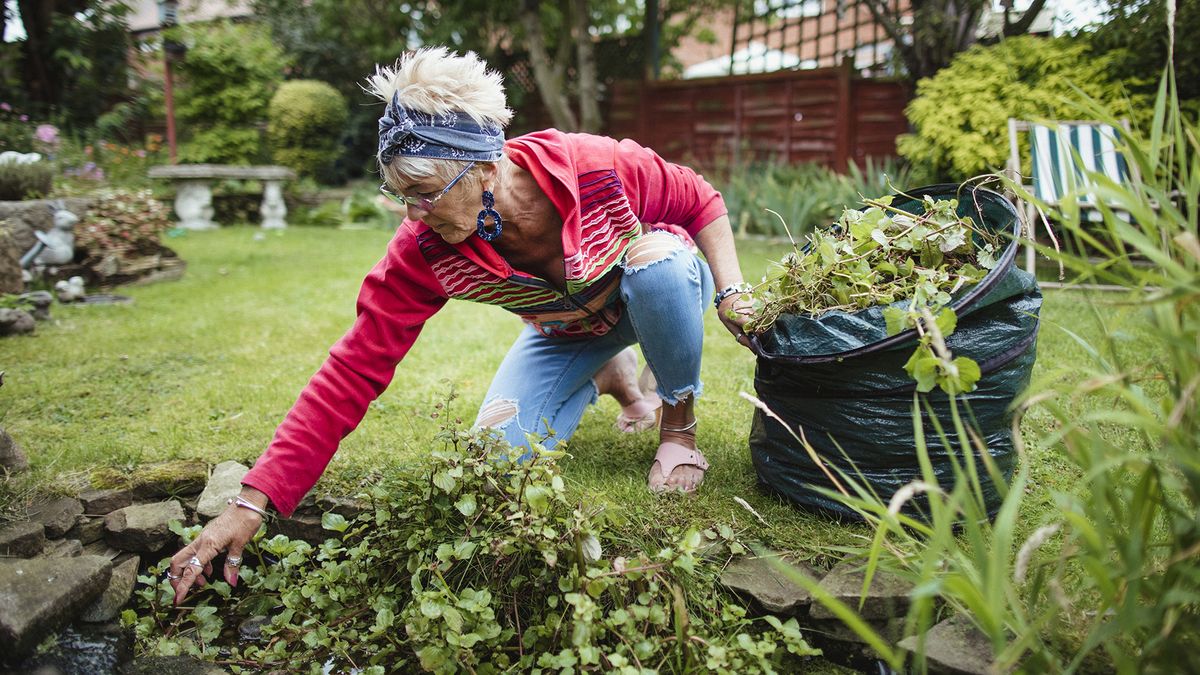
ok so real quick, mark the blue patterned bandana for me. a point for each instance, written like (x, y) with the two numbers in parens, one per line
(453, 135)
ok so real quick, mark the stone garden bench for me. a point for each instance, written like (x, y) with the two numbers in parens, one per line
(193, 191)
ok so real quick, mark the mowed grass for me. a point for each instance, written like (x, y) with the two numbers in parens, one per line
(206, 367)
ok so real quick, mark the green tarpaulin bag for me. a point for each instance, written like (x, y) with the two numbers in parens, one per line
(841, 378)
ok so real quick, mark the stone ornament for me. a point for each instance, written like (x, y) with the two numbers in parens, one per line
(56, 247)
(193, 191)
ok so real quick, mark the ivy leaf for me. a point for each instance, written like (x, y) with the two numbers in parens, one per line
(896, 318)
(334, 521)
(968, 375)
(431, 609)
(538, 498)
(986, 257)
(383, 620)
(952, 239)
(591, 548)
(922, 366)
(443, 481)
(465, 550)
(946, 321)
(453, 618)
(466, 505)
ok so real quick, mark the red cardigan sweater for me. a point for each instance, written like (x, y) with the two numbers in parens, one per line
(603, 189)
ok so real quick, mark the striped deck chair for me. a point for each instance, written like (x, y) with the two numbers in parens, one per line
(1055, 173)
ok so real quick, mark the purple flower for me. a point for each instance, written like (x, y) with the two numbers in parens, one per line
(24, 118)
(5, 107)
(46, 133)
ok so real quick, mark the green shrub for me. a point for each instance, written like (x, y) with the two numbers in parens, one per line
(325, 214)
(25, 181)
(16, 129)
(960, 115)
(226, 83)
(307, 122)
(804, 195)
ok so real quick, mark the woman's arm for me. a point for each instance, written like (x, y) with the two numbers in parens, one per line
(716, 243)
(396, 298)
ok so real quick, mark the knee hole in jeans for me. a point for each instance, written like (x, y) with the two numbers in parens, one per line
(498, 413)
(651, 248)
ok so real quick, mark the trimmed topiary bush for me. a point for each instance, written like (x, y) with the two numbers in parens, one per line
(960, 116)
(307, 121)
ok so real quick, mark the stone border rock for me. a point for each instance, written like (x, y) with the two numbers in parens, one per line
(952, 646)
(92, 546)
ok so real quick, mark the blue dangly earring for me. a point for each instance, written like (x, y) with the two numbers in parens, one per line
(481, 224)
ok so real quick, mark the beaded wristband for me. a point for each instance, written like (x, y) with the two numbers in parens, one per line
(732, 289)
(244, 503)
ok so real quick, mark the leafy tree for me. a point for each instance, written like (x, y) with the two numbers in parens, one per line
(72, 62)
(939, 29)
(228, 77)
(340, 42)
(1132, 34)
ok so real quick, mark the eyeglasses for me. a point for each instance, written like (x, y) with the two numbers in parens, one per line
(423, 203)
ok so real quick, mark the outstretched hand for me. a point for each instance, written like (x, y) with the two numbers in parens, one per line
(735, 312)
(228, 532)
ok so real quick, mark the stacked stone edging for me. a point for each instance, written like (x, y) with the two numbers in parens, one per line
(95, 543)
(953, 646)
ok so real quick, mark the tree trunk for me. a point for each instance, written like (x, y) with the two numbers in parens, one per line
(36, 17)
(549, 78)
(589, 89)
(1021, 26)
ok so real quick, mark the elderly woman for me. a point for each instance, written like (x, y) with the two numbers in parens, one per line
(589, 240)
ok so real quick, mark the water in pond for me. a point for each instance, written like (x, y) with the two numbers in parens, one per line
(84, 649)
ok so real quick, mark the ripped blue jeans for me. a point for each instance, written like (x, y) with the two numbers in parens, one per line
(546, 380)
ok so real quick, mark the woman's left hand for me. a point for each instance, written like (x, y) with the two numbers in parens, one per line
(735, 312)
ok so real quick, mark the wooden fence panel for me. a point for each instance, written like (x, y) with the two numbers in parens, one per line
(825, 115)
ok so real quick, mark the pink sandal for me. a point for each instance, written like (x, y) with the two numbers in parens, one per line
(671, 455)
(640, 416)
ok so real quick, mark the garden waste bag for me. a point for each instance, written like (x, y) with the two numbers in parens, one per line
(841, 379)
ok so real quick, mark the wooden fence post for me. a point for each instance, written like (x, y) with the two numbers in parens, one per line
(844, 124)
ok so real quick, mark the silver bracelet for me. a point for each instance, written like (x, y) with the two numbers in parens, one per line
(732, 289)
(244, 503)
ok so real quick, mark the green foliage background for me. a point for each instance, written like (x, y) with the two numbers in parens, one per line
(1132, 34)
(960, 116)
(307, 120)
(227, 80)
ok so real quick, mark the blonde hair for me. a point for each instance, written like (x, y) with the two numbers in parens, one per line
(437, 81)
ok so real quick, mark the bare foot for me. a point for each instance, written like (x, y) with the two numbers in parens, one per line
(677, 456)
(618, 378)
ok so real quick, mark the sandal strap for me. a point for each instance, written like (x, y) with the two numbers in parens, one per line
(670, 455)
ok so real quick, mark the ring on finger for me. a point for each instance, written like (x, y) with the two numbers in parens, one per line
(233, 561)
(196, 561)
(173, 577)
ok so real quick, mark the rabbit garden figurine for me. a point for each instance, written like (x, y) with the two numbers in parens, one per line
(56, 247)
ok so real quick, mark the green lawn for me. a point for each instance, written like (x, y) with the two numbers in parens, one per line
(207, 366)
